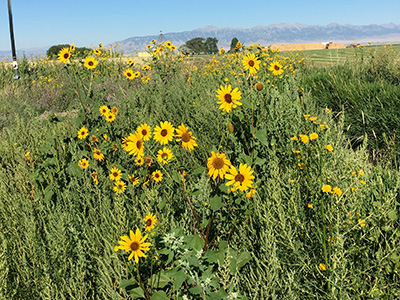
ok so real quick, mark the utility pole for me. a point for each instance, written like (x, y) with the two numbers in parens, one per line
(14, 53)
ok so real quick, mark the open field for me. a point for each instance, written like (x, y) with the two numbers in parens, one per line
(249, 175)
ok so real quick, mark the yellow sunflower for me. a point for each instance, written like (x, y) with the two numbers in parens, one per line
(64, 55)
(146, 67)
(94, 139)
(276, 68)
(83, 133)
(218, 164)
(83, 163)
(115, 174)
(241, 179)
(109, 116)
(164, 133)
(129, 74)
(150, 220)
(227, 98)
(97, 51)
(72, 48)
(131, 62)
(188, 141)
(90, 62)
(221, 51)
(104, 110)
(114, 110)
(139, 160)
(133, 179)
(134, 144)
(157, 176)
(145, 131)
(250, 62)
(136, 74)
(97, 154)
(95, 179)
(164, 156)
(119, 187)
(135, 244)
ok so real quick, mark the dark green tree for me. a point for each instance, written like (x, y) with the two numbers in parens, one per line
(233, 44)
(196, 45)
(211, 45)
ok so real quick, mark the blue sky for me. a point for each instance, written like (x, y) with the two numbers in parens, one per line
(42, 23)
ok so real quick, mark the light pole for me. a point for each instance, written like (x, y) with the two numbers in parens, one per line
(14, 53)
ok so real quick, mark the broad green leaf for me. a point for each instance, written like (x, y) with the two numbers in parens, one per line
(159, 295)
(136, 293)
(159, 280)
(243, 259)
(246, 102)
(216, 203)
(195, 242)
(261, 135)
(179, 278)
(127, 282)
(198, 170)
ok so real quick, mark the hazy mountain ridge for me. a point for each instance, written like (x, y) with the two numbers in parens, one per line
(276, 34)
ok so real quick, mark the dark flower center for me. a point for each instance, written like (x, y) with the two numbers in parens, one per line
(239, 178)
(164, 156)
(276, 67)
(186, 137)
(90, 63)
(164, 132)
(149, 223)
(66, 55)
(135, 246)
(115, 174)
(251, 63)
(218, 163)
(139, 144)
(228, 98)
(144, 132)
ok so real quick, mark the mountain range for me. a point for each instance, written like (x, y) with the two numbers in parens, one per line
(276, 34)
(264, 35)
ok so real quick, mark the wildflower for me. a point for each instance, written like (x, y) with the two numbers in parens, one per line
(105, 137)
(134, 144)
(306, 116)
(146, 67)
(64, 55)
(139, 160)
(259, 86)
(72, 48)
(115, 174)
(227, 98)
(362, 182)
(329, 148)
(94, 139)
(136, 74)
(83, 163)
(101, 45)
(164, 133)
(145, 131)
(95, 179)
(337, 191)
(241, 179)
(148, 161)
(164, 155)
(294, 138)
(128, 73)
(83, 133)
(221, 51)
(326, 188)
(135, 244)
(322, 267)
(114, 110)
(304, 138)
(90, 62)
(276, 68)
(310, 206)
(119, 187)
(97, 154)
(361, 222)
(313, 136)
(157, 176)
(251, 63)
(218, 164)
(97, 51)
(252, 192)
(133, 179)
(312, 119)
(110, 117)
(150, 221)
(188, 141)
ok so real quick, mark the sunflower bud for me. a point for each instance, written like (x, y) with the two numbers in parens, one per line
(230, 127)
(259, 86)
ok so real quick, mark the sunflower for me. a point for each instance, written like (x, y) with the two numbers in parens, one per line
(188, 141)
(101, 45)
(94, 139)
(83, 163)
(164, 156)
(276, 68)
(136, 74)
(97, 51)
(168, 44)
(115, 174)
(145, 131)
(139, 160)
(72, 48)
(217, 164)
(173, 48)
(131, 62)
(157, 176)
(95, 179)
(119, 187)
(221, 51)
(129, 74)
(250, 62)
(97, 154)
(227, 98)
(110, 116)
(150, 220)
(153, 41)
(114, 110)
(133, 179)
(146, 67)
(83, 133)
(241, 179)
(164, 133)
(104, 110)
(148, 160)
(64, 55)
(90, 63)
(133, 144)
(135, 244)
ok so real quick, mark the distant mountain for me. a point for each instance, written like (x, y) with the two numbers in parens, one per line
(276, 34)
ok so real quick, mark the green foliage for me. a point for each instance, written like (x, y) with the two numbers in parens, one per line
(53, 51)
(233, 44)
(200, 46)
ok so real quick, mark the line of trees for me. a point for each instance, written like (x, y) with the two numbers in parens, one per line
(205, 46)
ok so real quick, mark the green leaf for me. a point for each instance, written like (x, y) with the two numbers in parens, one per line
(136, 293)
(176, 177)
(198, 170)
(48, 193)
(159, 295)
(195, 290)
(261, 135)
(195, 242)
(260, 161)
(392, 215)
(216, 203)
(246, 102)
(196, 192)
(159, 280)
(44, 148)
(127, 282)
(243, 259)
(179, 278)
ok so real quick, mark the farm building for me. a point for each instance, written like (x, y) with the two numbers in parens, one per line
(307, 46)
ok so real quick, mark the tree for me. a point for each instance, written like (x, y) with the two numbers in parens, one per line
(233, 44)
(196, 45)
(211, 45)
